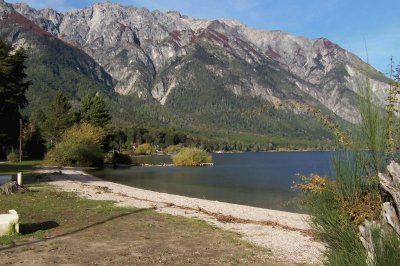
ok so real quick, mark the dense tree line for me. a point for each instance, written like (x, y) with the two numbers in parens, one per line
(13, 85)
(45, 127)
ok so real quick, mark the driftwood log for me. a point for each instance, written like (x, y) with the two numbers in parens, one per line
(10, 188)
(390, 193)
(366, 239)
(390, 184)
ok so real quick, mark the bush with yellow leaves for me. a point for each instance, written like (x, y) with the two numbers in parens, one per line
(80, 145)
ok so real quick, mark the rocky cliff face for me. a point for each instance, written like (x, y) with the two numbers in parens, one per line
(52, 64)
(156, 55)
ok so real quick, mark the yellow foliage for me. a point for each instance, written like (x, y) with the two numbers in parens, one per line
(83, 132)
(365, 206)
(314, 184)
(191, 157)
(172, 149)
(80, 145)
(145, 149)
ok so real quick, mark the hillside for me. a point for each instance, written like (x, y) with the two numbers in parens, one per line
(204, 76)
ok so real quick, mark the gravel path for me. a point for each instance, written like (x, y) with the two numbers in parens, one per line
(286, 235)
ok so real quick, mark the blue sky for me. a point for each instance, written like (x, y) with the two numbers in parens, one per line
(353, 24)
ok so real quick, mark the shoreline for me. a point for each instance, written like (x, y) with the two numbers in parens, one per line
(286, 235)
(240, 152)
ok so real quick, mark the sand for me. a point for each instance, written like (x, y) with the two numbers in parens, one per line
(286, 236)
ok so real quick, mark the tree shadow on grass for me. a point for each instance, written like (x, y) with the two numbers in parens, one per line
(34, 227)
(73, 232)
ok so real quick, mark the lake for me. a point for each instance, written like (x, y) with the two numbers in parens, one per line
(256, 179)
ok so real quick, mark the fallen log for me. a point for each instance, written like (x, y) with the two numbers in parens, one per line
(390, 194)
(390, 183)
(10, 188)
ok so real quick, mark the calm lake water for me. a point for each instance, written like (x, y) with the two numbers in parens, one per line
(255, 179)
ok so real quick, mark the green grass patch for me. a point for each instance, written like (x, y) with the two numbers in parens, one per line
(47, 215)
(45, 212)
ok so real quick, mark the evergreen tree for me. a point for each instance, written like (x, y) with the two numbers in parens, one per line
(93, 110)
(58, 119)
(13, 86)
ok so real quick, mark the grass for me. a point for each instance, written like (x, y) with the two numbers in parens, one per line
(43, 213)
(53, 220)
(76, 227)
(339, 207)
(386, 248)
(335, 228)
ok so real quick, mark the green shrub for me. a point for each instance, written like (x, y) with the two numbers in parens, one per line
(338, 208)
(145, 149)
(386, 248)
(80, 146)
(191, 157)
(331, 223)
(13, 156)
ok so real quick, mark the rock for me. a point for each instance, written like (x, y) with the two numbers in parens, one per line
(139, 49)
(390, 183)
(366, 239)
(390, 215)
(9, 188)
(9, 223)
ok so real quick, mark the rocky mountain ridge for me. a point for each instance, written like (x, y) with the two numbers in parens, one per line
(157, 56)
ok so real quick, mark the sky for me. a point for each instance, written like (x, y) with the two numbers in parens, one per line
(369, 28)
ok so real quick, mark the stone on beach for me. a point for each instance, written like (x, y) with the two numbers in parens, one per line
(9, 223)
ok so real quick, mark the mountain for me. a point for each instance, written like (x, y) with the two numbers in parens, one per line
(52, 64)
(191, 73)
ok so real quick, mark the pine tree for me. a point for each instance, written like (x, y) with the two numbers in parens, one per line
(13, 86)
(58, 119)
(94, 111)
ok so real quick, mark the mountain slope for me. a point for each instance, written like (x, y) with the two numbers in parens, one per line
(134, 45)
(52, 64)
(199, 75)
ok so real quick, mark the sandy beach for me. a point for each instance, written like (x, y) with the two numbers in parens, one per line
(286, 236)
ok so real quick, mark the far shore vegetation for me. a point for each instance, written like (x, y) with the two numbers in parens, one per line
(145, 149)
(48, 132)
(191, 157)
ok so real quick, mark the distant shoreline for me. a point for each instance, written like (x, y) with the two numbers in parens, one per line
(239, 152)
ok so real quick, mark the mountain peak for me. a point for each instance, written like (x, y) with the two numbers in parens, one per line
(107, 4)
(152, 54)
(174, 13)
